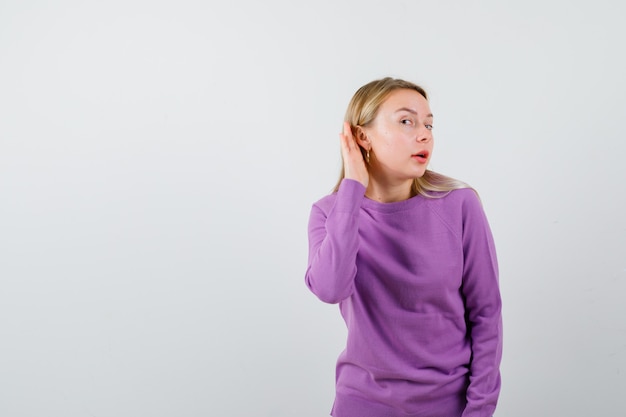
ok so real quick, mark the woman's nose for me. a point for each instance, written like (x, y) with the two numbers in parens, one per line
(425, 135)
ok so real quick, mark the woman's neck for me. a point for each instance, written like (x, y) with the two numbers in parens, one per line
(389, 193)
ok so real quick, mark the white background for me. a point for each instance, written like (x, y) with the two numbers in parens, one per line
(158, 161)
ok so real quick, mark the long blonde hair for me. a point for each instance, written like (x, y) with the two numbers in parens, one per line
(363, 109)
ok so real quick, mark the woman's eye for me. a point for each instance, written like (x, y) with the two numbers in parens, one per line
(405, 121)
(429, 127)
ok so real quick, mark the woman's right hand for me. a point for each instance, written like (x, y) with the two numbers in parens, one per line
(353, 164)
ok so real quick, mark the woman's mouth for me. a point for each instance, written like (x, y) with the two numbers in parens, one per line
(421, 156)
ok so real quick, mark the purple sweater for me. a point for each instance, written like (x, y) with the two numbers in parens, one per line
(417, 285)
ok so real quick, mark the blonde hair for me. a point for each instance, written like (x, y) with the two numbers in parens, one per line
(362, 110)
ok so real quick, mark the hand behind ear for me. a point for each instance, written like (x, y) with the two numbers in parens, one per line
(353, 163)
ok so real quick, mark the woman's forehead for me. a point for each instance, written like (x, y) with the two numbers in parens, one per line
(406, 100)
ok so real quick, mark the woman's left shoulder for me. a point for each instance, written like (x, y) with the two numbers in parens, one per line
(460, 196)
(461, 201)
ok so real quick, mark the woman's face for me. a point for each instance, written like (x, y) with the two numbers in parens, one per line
(401, 136)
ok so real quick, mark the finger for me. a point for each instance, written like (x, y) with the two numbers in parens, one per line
(347, 132)
(343, 142)
(346, 150)
(348, 147)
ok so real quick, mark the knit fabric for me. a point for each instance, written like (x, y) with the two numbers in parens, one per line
(417, 285)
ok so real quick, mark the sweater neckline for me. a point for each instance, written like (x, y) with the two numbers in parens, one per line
(393, 207)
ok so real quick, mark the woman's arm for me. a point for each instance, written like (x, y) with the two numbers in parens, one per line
(334, 236)
(334, 243)
(483, 310)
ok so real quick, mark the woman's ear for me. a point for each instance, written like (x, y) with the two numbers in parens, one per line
(361, 138)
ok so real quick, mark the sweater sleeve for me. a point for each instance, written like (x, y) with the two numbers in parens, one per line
(483, 310)
(334, 243)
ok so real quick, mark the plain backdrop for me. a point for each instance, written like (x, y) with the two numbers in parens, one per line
(158, 161)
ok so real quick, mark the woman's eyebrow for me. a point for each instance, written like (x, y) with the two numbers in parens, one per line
(411, 111)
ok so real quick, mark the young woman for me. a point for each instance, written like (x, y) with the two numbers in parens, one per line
(409, 256)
